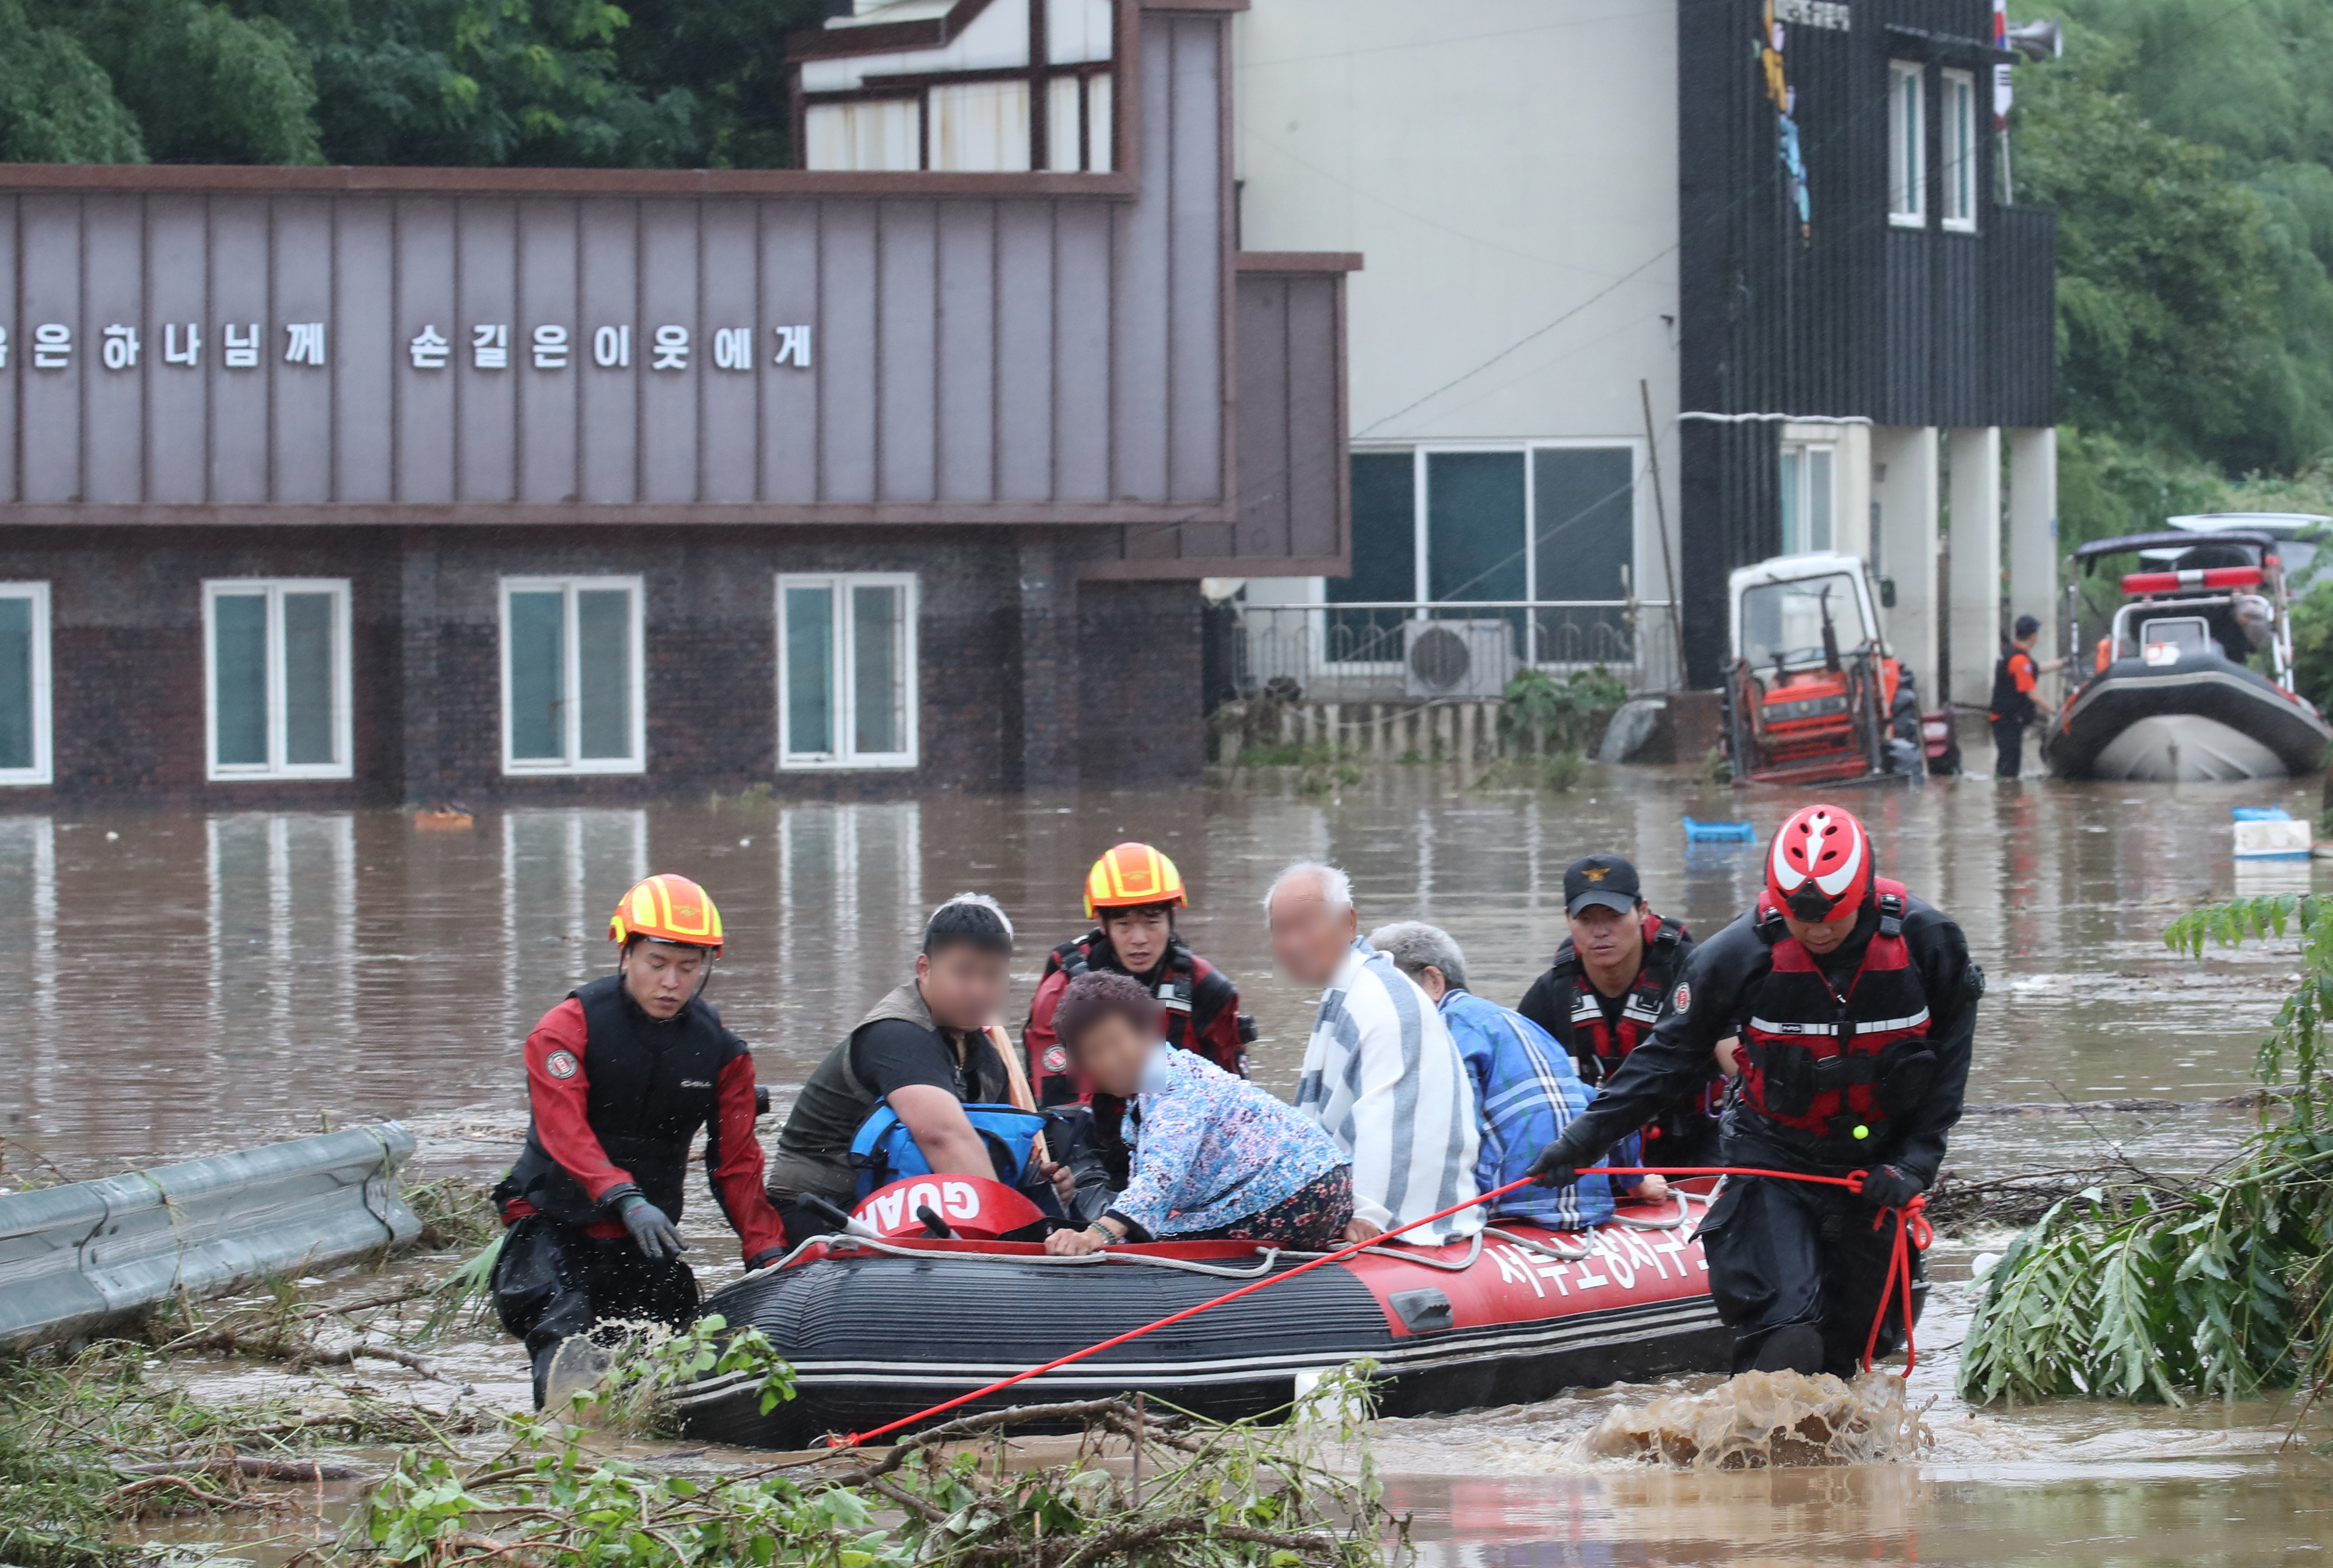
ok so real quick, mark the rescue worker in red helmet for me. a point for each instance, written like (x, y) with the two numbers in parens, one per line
(1856, 1004)
(1614, 978)
(621, 1077)
(1131, 895)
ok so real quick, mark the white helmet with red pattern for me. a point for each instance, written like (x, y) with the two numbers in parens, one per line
(1819, 867)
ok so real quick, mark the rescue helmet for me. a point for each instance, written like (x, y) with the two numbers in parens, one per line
(1819, 866)
(668, 907)
(1132, 876)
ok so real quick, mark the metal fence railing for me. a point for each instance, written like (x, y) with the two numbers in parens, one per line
(1389, 651)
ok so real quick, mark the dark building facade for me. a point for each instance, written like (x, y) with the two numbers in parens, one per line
(340, 485)
(1848, 254)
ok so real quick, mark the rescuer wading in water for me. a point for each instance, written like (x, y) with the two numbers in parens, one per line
(620, 1078)
(1856, 1004)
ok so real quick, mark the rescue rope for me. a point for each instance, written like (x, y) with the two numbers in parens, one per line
(1912, 1227)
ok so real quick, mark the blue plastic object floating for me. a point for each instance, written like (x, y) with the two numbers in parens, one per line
(1720, 832)
(2255, 814)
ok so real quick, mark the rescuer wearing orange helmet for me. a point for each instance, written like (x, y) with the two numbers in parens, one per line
(620, 1078)
(1131, 895)
(1856, 1006)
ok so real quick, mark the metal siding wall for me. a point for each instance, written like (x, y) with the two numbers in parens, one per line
(1083, 335)
(791, 293)
(1265, 522)
(301, 245)
(239, 295)
(1025, 351)
(487, 441)
(1960, 331)
(2020, 314)
(1316, 472)
(968, 332)
(363, 351)
(907, 340)
(113, 420)
(669, 298)
(608, 429)
(727, 401)
(19, 345)
(1195, 369)
(547, 400)
(428, 401)
(52, 293)
(1910, 331)
(1145, 257)
(847, 342)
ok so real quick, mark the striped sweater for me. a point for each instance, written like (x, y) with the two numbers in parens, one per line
(1383, 1077)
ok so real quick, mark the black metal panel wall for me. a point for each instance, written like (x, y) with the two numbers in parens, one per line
(1730, 515)
(2021, 312)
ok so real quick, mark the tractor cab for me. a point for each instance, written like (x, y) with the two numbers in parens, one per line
(1812, 695)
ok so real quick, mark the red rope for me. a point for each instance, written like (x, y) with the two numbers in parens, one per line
(1853, 1183)
(1911, 1225)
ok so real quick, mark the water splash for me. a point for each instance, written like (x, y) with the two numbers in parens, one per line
(1768, 1420)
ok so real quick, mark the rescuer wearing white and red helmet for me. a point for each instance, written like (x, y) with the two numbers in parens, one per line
(1856, 1004)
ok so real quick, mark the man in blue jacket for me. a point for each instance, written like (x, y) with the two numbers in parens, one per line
(1525, 1084)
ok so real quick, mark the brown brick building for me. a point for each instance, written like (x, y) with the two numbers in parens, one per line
(342, 485)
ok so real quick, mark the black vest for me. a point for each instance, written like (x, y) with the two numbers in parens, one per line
(1190, 1000)
(813, 1148)
(653, 1085)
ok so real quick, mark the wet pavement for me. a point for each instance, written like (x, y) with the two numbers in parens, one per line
(181, 983)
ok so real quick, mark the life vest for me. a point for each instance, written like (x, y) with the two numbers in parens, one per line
(652, 1087)
(1190, 992)
(885, 1152)
(1609, 1044)
(1838, 1067)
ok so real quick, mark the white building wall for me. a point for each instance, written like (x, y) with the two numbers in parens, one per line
(1508, 169)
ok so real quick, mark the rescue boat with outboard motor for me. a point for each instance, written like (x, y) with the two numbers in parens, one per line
(892, 1319)
(2170, 694)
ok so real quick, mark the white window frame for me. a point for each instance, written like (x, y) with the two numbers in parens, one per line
(1907, 144)
(1959, 151)
(343, 725)
(571, 717)
(44, 768)
(846, 759)
(1800, 454)
(1421, 564)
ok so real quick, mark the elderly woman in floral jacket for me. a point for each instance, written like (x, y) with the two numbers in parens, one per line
(1215, 1158)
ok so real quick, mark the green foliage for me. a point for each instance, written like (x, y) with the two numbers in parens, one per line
(2142, 1291)
(57, 104)
(1541, 712)
(653, 1362)
(205, 85)
(1245, 1495)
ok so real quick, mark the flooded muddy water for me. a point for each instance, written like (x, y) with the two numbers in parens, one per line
(178, 983)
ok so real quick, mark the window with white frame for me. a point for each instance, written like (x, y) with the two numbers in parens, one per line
(275, 677)
(1960, 150)
(573, 697)
(24, 757)
(1907, 144)
(847, 670)
(1809, 496)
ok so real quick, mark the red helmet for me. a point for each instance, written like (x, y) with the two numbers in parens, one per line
(1819, 867)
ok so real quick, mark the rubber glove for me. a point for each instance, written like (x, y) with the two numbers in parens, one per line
(1890, 1187)
(654, 1234)
(1559, 1164)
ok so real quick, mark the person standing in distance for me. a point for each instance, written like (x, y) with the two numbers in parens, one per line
(2016, 701)
(1856, 1006)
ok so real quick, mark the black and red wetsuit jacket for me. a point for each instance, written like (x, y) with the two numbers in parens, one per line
(1565, 1003)
(1200, 1004)
(1852, 1059)
(616, 1097)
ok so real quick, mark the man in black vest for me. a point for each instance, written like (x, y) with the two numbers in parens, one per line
(621, 1077)
(2015, 700)
(927, 1050)
(1614, 978)
(1856, 1004)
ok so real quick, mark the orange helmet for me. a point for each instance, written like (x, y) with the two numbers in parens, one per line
(668, 908)
(1131, 876)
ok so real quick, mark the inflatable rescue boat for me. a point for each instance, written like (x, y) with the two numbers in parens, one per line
(2174, 693)
(893, 1319)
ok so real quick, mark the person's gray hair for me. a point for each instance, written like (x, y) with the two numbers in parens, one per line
(977, 901)
(1414, 947)
(1336, 887)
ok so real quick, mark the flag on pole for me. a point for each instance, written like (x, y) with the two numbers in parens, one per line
(2000, 88)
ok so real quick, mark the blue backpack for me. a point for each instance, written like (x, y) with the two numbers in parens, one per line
(885, 1152)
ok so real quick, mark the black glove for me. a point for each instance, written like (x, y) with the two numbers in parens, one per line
(766, 1256)
(1890, 1187)
(1559, 1164)
(652, 1232)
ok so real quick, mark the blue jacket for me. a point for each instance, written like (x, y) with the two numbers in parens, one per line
(1210, 1148)
(1529, 1092)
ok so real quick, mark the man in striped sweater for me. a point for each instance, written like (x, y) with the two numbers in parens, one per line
(1381, 1073)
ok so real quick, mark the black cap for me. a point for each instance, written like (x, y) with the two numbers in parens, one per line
(1601, 879)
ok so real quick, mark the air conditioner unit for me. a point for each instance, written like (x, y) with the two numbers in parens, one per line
(1465, 659)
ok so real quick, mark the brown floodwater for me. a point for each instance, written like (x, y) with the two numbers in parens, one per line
(178, 982)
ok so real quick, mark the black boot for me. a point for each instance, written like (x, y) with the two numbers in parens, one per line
(1794, 1347)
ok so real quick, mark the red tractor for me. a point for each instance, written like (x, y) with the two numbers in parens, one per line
(1812, 695)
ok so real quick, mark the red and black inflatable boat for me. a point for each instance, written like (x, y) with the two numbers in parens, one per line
(879, 1327)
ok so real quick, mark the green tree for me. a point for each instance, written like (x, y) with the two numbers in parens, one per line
(730, 55)
(205, 85)
(57, 104)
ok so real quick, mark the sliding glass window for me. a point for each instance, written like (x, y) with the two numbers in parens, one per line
(24, 756)
(847, 688)
(276, 678)
(573, 695)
